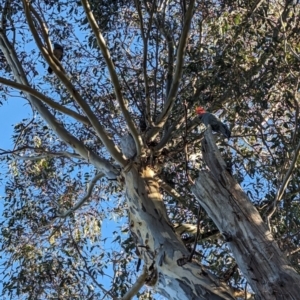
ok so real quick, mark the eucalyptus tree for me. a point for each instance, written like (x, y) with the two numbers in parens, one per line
(114, 133)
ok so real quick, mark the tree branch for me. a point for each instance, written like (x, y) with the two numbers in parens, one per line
(114, 78)
(170, 44)
(137, 286)
(100, 163)
(44, 31)
(4, 15)
(145, 53)
(214, 233)
(253, 246)
(283, 186)
(58, 69)
(49, 101)
(173, 129)
(171, 97)
(293, 251)
(185, 228)
(85, 198)
(47, 155)
(172, 192)
(49, 56)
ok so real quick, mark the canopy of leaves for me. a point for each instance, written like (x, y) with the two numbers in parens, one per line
(242, 62)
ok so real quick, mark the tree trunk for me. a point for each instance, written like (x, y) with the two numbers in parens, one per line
(161, 248)
(253, 246)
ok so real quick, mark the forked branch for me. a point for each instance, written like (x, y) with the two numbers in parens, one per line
(171, 97)
(85, 198)
(58, 69)
(114, 78)
(101, 164)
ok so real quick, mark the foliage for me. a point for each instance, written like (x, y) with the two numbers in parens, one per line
(241, 62)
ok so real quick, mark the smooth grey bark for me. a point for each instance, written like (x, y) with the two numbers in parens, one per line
(252, 244)
(159, 246)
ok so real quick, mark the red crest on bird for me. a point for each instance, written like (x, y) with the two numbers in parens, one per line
(200, 110)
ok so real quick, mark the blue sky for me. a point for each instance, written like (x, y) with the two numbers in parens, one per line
(11, 112)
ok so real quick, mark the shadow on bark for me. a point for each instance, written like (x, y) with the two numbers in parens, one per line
(252, 244)
(159, 246)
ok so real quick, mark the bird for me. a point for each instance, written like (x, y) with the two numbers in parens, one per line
(210, 119)
(58, 52)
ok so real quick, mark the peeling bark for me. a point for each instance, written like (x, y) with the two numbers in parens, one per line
(161, 248)
(253, 246)
(158, 245)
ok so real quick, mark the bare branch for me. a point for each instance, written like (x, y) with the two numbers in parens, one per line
(4, 15)
(49, 101)
(172, 192)
(114, 78)
(293, 251)
(49, 56)
(177, 76)
(170, 44)
(16, 67)
(145, 53)
(58, 69)
(169, 133)
(284, 184)
(44, 30)
(174, 127)
(47, 155)
(85, 198)
(185, 145)
(137, 286)
(185, 228)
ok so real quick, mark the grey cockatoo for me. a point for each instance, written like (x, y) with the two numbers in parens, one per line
(58, 52)
(209, 119)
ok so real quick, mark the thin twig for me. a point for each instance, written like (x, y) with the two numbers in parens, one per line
(23, 130)
(197, 235)
(137, 286)
(283, 186)
(46, 99)
(145, 53)
(85, 198)
(87, 267)
(48, 155)
(185, 146)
